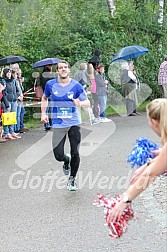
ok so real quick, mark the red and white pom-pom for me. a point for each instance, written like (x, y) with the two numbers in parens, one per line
(164, 173)
(116, 228)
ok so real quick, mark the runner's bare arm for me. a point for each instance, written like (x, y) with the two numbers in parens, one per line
(44, 104)
(84, 104)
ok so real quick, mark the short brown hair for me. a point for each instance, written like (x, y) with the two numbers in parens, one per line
(100, 65)
(62, 61)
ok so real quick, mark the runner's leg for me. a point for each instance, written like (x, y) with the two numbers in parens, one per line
(58, 141)
(74, 135)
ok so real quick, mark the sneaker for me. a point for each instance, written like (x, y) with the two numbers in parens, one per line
(9, 137)
(66, 166)
(104, 119)
(23, 130)
(17, 131)
(72, 185)
(15, 136)
(48, 128)
(95, 121)
(2, 140)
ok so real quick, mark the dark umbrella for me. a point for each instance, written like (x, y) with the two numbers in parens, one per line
(11, 60)
(129, 52)
(46, 62)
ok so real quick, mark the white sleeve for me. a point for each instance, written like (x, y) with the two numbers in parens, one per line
(132, 76)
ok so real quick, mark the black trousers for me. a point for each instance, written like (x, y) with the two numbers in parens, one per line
(58, 141)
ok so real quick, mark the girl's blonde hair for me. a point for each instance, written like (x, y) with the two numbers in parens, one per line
(157, 110)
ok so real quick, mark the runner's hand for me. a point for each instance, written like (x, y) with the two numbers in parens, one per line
(44, 118)
(77, 102)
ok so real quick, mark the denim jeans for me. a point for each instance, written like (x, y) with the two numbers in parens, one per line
(18, 111)
(103, 102)
(22, 113)
(10, 128)
(20, 117)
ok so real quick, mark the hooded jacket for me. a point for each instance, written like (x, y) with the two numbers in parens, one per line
(11, 92)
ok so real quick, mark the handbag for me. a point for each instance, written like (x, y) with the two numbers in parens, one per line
(9, 118)
(38, 92)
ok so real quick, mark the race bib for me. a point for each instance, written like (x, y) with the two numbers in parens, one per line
(64, 112)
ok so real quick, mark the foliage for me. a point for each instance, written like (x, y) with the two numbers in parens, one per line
(14, 1)
(72, 30)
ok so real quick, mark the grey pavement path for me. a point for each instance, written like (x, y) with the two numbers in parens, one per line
(43, 216)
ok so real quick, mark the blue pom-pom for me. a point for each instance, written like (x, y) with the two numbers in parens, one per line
(141, 152)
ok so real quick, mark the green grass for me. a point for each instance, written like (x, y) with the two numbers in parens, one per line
(121, 108)
(32, 123)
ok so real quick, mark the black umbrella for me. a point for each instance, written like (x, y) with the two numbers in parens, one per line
(11, 60)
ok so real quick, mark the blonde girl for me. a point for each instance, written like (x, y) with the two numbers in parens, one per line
(157, 119)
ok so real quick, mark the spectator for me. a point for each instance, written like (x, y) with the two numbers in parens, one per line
(162, 77)
(156, 114)
(47, 75)
(10, 93)
(2, 140)
(19, 127)
(101, 91)
(129, 83)
(81, 75)
(93, 93)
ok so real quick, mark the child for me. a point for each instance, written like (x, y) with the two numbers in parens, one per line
(157, 119)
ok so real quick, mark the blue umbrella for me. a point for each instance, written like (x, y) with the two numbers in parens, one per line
(129, 52)
(46, 62)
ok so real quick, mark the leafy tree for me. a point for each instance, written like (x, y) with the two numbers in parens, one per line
(72, 30)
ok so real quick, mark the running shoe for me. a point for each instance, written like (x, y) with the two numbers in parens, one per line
(2, 140)
(8, 137)
(72, 185)
(95, 121)
(66, 166)
(16, 136)
(104, 119)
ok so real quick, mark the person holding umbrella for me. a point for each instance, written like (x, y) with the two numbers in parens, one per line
(46, 76)
(67, 94)
(129, 84)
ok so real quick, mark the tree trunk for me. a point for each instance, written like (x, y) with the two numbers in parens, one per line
(161, 13)
(111, 7)
(161, 19)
